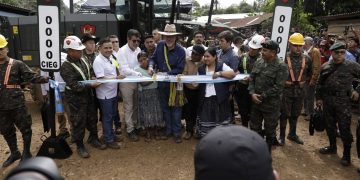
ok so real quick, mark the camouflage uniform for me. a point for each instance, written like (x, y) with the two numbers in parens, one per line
(334, 87)
(90, 57)
(294, 93)
(242, 96)
(80, 99)
(267, 79)
(13, 111)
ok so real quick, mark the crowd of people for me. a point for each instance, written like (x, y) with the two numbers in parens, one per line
(320, 70)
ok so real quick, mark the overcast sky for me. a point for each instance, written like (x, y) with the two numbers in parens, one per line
(223, 3)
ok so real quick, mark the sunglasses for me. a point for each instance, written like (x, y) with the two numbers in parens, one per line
(136, 41)
(114, 41)
(339, 52)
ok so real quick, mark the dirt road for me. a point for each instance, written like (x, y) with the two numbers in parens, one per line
(165, 160)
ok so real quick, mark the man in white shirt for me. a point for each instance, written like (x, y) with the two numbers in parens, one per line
(198, 39)
(107, 92)
(127, 58)
(63, 131)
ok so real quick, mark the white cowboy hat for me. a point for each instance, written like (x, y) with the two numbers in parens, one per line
(169, 30)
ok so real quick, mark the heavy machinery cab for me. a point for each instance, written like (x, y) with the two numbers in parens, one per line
(144, 15)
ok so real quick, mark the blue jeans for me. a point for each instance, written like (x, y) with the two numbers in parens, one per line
(108, 113)
(171, 115)
(117, 122)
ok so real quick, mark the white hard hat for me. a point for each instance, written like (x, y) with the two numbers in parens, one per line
(255, 42)
(73, 42)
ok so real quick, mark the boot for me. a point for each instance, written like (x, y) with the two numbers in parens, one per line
(292, 132)
(282, 132)
(332, 149)
(15, 154)
(81, 150)
(147, 135)
(269, 147)
(95, 142)
(346, 159)
(27, 142)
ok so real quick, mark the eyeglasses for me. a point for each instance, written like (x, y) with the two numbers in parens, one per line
(136, 41)
(114, 41)
(339, 52)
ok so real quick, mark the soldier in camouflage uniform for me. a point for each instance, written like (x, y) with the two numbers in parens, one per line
(246, 63)
(12, 103)
(267, 81)
(300, 71)
(89, 53)
(334, 93)
(80, 96)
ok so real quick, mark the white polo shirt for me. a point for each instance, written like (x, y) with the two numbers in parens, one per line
(103, 68)
(127, 60)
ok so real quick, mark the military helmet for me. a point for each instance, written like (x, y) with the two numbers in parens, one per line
(3, 41)
(297, 39)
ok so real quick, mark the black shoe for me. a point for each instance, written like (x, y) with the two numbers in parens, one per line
(97, 144)
(82, 152)
(64, 135)
(133, 137)
(345, 161)
(118, 130)
(177, 139)
(113, 145)
(12, 158)
(25, 155)
(338, 133)
(276, 142)
(328, 150)
(118, 138)
(295, 138)
(281, 141)
(187, 135)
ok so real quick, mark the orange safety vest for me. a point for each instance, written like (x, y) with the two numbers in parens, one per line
(7, 75)
(292, 76)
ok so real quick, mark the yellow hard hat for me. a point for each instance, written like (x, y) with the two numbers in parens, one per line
(297, 39)
(3, 41)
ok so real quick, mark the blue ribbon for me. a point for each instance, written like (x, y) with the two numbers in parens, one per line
(59, 106)
(170, 78)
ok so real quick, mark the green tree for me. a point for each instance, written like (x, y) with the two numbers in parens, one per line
(31, 4)
(300, 19)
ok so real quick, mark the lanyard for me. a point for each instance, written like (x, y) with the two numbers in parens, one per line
(166, 58)
(244, 65)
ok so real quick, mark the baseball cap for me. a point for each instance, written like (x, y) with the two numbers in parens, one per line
(270, 44)
(73, 42)
(232, 152)
(337, 45)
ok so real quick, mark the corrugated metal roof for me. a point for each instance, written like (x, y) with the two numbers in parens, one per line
(13, 10)
(247, 21)
(355, 14)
